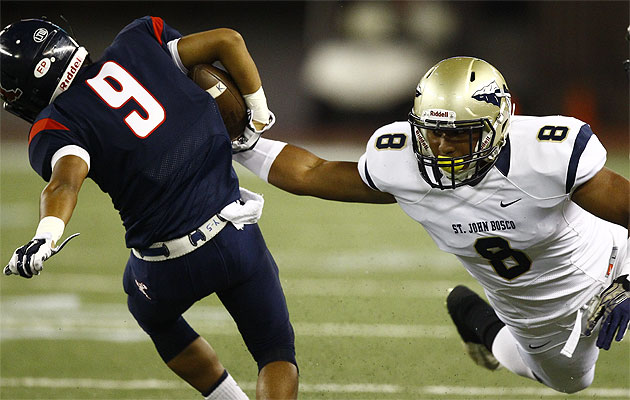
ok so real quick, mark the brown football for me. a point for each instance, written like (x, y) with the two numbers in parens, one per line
(221, 86)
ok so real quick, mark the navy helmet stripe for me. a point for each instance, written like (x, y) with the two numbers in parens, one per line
(503, 160)
(578, 148)
(369, 179)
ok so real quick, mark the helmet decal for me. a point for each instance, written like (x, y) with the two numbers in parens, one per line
(42, 67)
(40, 35)
(488, 94)
(10, 95)
(418, 91)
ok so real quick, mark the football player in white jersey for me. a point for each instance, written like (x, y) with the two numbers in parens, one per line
(525, 203)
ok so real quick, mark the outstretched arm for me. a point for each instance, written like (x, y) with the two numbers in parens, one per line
(300, 172)
(57, 202)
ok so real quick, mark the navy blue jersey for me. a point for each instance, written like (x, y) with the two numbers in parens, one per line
(156, 141)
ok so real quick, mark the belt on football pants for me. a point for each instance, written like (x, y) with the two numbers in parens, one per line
(161, 251)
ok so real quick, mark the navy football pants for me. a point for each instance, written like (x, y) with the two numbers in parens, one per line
(236, 265)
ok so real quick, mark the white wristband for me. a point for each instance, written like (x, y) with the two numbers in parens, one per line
(259, 159)
(257, 102)
(51, 225)
(172, 47)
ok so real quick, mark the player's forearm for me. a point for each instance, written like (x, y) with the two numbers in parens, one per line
(300, 172)
(58, 200)
(59, 197)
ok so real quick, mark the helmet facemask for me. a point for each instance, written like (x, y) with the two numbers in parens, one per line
(448, 92)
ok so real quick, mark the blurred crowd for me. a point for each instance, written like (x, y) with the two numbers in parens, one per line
(350, 66)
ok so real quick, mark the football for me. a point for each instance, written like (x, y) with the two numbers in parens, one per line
(221, 86)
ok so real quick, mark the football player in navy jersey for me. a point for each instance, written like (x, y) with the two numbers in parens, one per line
(525, 203)
(155, 142)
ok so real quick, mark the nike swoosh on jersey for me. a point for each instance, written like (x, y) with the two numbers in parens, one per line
(538, 347)
(510, 203)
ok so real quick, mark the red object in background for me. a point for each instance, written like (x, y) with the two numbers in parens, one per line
(579, 102)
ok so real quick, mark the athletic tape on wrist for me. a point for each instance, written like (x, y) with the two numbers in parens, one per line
(52, 225)
(257, 102)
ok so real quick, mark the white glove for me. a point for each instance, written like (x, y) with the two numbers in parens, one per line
(247, 210)
(28, 260)
(248, 139)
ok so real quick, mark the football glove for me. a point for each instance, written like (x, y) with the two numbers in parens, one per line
(613, 308)
(248, 139)
(28, 260)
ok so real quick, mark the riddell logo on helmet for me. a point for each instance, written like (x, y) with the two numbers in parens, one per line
(486, 142)
(10, 95)
(421, 140)
(438, 113)
(70, 73)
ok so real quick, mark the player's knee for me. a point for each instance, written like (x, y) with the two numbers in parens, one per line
(280, 348)
(275, 345)
(171, 339)
(278, 354)
(573, 385)
(577, 386)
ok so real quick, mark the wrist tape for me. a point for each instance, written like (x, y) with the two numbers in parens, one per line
(257, 102)
(52, 225)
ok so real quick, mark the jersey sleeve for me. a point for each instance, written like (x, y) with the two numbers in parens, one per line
(369, 163)
(389, 164)
(166, 36)
(156, 27)
(561, 151)
(51, 138)
(587, 158)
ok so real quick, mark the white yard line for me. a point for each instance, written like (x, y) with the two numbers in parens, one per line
(448, 391)
(108, 330)
(294, 287)
(63, 316)
(520, 391)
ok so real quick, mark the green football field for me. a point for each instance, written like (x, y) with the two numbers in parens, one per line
(365, 286)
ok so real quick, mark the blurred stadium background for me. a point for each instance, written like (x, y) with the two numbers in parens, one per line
(354, 65)
(365, 285)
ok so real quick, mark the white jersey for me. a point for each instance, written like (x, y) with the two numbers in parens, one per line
(538, 255)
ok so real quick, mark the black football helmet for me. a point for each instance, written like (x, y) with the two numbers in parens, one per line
(38, 61)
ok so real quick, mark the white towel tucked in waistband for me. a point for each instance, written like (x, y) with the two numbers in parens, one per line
(248, 210)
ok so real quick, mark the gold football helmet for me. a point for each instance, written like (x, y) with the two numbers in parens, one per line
(460, 95)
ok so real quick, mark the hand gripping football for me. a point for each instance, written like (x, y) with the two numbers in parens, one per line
(221, 86)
